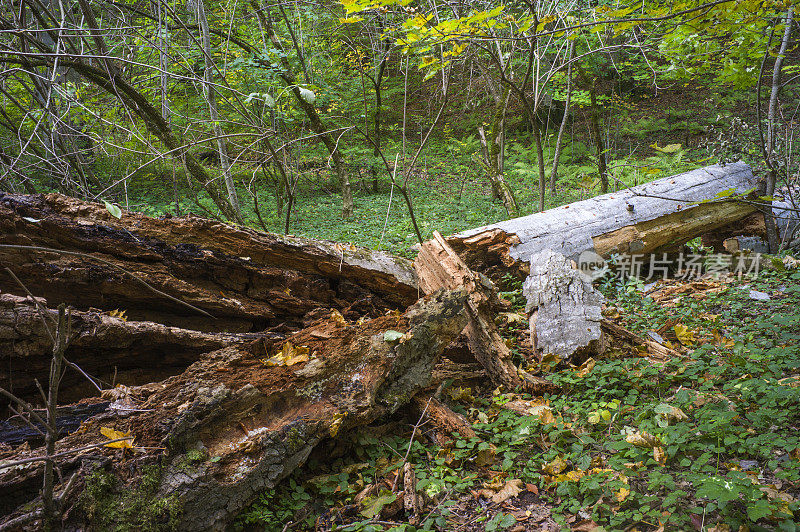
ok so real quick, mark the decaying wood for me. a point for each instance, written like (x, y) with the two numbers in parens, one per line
(565, 309)
(410, 501)
(442, 417)
(438, 267)
(647, 218)
(107, 347)
(248, 280)
(253, 423)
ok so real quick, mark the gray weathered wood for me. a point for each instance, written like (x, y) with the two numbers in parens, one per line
(642, 219)
(565, 309)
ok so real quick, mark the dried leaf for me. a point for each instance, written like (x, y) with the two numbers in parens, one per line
(642, 439)
(586, 368)
(512, 488)
(659, 455)
(338, 319)
(486, 457)
(112, 434)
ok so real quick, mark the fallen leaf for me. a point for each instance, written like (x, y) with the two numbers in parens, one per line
(289, 355)
(659, 455)
(555, 467)
(586, 368)
(512, 488)
(112, 434)
(642, 439)
(685, 336)
(338, 319)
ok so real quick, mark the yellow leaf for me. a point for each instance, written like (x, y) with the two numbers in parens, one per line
(685, 336)
(336, 423)
(622, 494)
(555, 467)
(338, 319)
(289, 355)
(112, 434)
(350, 20)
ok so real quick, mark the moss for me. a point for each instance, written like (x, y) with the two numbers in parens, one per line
(110, 506)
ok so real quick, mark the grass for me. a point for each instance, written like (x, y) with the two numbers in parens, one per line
(450, 193)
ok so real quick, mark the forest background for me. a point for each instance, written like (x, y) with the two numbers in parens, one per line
(377, 122)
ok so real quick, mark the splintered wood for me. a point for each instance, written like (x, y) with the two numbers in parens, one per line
(439, 267)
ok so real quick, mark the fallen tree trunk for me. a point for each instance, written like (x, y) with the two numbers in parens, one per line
(246, 280)
(643, 219)
(234, 424)
(109, 348)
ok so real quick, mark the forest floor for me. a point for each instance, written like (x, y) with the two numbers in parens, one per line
(708, 441)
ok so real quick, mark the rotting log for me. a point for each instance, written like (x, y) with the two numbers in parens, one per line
(247, 280)
(564, 308)
(648, 218)
(439, 267)
(247, 424)
(109, 348)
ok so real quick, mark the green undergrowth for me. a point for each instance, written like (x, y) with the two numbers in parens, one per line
(707, 439)
(448, 188)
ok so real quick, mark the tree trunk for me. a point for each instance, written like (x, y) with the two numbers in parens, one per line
(772, 175)
(246, 280)
(317, 126)
(602, 167)
(210, 93)
(564, 119)
(644, 219)
(492, 155)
